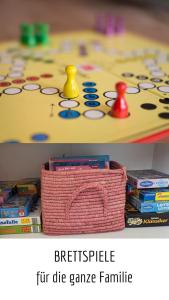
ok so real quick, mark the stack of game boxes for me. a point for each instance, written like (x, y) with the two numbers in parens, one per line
(147, 199)
(20, 207)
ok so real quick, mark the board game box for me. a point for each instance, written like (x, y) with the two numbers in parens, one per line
(162, 206)
(20, 229)
(135, 219)
(34, 218)
(17, 206)
(28, 186)
(79, 162)
(149, 194)
(146, 179)
(32, 81)
(5, 193)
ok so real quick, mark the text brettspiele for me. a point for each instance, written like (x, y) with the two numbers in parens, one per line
(83, 256)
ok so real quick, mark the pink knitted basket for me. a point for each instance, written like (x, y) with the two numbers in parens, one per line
(85, 201)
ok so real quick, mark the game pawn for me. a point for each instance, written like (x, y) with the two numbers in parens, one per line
(70, 89)
(42, 34)
(120, 107)
(119, 26)
(100, 24)
(28, 35)
(110, 27)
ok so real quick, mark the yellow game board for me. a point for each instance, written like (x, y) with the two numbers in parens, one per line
(32, 105)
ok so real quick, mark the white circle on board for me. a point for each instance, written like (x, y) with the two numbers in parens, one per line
(2, 77)
(110, 103)
(6, 61)
(146, 85)
(19, 61)
(16, 69)
(49, 91)
(15, 75)
(149, 62)
(12, 91)
(164, 89)
(128, 54)
(31, 87)
(157, 74)
(69, 103)
(139, 52)
(38, 55)
(151, 51)
(132, 90)
(62, 95)
(94, 114)
(52, 52)
(19, 64)
(154, 68)
(110, 94)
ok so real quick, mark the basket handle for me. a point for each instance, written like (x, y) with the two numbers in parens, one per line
(86, 187)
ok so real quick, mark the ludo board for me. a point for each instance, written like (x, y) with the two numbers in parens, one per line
(33, 107)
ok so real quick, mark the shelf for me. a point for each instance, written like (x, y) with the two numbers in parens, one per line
(30, 157)
(127, 233)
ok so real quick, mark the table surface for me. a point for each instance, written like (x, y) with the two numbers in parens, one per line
(76, 15)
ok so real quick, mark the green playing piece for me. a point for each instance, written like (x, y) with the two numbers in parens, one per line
(28, 35)
(42, 33)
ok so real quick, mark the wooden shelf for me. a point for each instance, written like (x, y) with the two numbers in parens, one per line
(127, 233)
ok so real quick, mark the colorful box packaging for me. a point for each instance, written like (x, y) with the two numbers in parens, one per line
(149, 194)
(162, 206)
(146, 179)
(34, 218)
(20, 229)
(80, 162)
(135, 219)
(28, 186)
(17, 206)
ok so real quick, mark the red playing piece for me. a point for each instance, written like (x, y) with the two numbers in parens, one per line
(120, 107)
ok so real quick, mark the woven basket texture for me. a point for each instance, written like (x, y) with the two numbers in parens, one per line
(86, 201)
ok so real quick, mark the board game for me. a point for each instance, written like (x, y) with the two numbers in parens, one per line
(33, 107)
(135, 219)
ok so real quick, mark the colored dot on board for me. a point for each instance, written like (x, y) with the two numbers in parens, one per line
(92, 103)
(46, 75)
(32, 78)
(89, 84)
(12, 142)
(69, 114)
(4, 84)
(40, 137)
(148, 106)
(91, 96)
(164, 115)
(164, 101)
(90, 90)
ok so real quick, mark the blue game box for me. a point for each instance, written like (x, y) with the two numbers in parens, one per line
(162, 206)
(17, 206)
(149, 194)
(148, 179)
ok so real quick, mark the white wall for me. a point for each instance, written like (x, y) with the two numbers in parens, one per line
(25, 160)
(161, 158)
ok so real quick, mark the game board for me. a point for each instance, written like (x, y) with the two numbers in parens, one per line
(33, 107)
